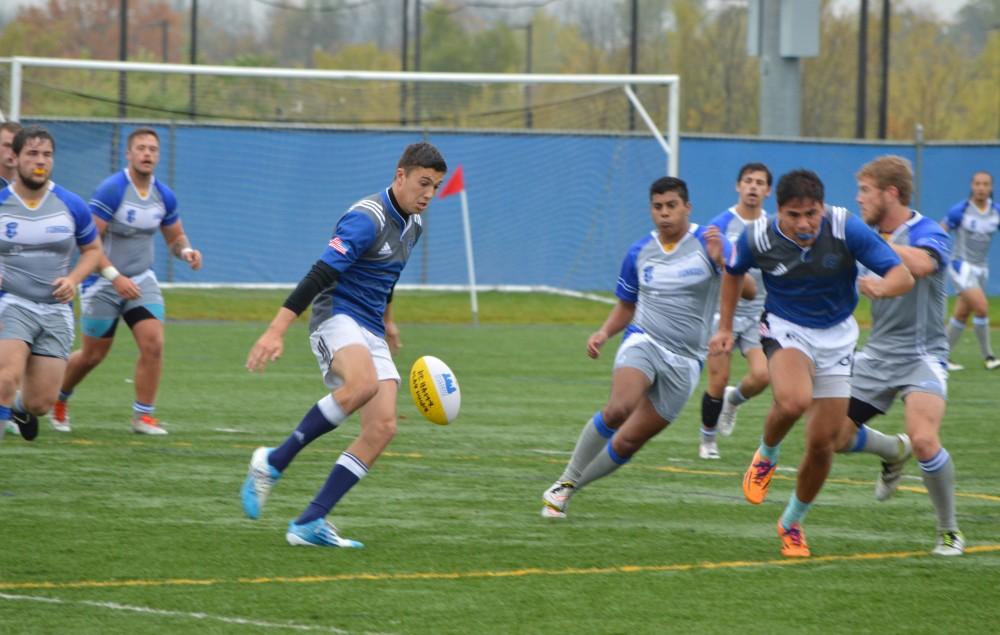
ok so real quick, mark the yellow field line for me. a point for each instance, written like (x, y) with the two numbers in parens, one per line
(465, 575)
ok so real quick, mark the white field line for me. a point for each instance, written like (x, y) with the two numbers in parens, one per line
(115, 606)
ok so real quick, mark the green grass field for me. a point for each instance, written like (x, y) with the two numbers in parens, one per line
(107, 532)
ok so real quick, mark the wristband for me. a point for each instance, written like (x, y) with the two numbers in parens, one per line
(110, 273)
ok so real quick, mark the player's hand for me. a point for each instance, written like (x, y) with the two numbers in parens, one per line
(392, 337)
(721, 343)
(193, 258)
(595, 342)
(713, 245)
(870, 286)
(268, 348)
(64, 289)
(126, 288)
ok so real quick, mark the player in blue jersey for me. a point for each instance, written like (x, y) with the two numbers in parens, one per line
(42, 226)
(719, 402)
(906, 353)
(667, 293)
(974, 221)
(807, 256)
(130, 207)
(349, 288)
(8, 160)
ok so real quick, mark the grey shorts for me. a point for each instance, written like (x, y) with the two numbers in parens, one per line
(101, 305)
(746, 332)
(674, 377)
(877, 382)
(965, 276)
(46, 328)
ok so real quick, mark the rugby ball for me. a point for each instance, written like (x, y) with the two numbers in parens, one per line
(435, 390)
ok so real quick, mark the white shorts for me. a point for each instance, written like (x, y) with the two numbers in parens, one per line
(341, 330)
(965, 276)
(831, 350)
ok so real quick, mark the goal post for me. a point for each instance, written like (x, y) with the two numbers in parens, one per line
(557, 167)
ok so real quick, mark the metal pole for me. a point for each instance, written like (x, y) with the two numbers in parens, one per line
(165, 46)
(528, 115)
(192, 86)
(171, 172)
(416, 61)
(883, 98)
(123, 56)
(633, 65)
(404, 57)
(862, 96)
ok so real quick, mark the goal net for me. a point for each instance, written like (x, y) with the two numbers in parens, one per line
(264, 161)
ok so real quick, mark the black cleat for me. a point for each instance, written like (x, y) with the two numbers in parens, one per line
(27, 424)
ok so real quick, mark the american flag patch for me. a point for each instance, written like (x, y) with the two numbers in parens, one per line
(338, 245)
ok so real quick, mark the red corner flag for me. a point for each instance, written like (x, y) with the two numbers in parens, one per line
(455, 185)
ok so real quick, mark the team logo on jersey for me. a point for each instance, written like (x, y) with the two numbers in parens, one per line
(647, 274)
(58, 229)
(11, 230)
(130, 215)
(779, 270)
(338, 245)
(832, 261)
(385, 250)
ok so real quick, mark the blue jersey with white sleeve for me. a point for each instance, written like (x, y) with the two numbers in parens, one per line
(370, 246)
(812, 286)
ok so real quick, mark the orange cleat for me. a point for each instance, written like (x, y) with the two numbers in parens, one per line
(757, 479)
(793, 541)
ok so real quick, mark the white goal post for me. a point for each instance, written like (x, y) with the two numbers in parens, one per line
(670, 141)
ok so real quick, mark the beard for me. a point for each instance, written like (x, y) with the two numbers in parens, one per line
(31, 181)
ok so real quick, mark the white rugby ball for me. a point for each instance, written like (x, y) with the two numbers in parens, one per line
(435, 390)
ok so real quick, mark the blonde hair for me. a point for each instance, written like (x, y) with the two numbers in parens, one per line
(890, 170)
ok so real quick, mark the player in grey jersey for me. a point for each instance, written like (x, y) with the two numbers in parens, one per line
(42, 226)
(719, 402)
(974, 222)
(8, 160)
(667, 291)
(906, 352)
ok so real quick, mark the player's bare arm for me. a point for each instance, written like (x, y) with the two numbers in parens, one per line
(713, 245)
(896, 281)
(620, 317)
(749, 291)
(918, 260)
(722, 342)
(124, 286)
(64, 287)
(271, 344)
(180, 246)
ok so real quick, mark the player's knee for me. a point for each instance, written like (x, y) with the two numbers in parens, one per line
(792, 405)
(626, 444)
(615, 414)
(925, 444)
(91, 357)
(356, 392)
(382, 430)
(151, 348)
(38, 405)
(758, 378)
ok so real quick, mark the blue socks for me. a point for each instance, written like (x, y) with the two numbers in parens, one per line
(348, 471)
(795, 511)
(325, 415)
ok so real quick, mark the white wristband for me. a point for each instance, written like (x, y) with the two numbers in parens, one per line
(186, 251)
(110, 273)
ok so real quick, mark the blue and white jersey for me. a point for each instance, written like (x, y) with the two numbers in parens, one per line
(369, 248)
(4, 182)
(973, 231)
(133, 219)
(812, 286)
(912, 325)
(37, 243)
(732, 226)
(676, 291)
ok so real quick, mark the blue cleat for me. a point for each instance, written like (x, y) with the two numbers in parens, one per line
(318, 533)
(260, 479)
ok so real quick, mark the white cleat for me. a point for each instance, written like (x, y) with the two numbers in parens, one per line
(261, 477)
(991, 363)
(556, 499)
(709, 450)
(949, 543)
(952, 366)
(59, 417)
(888, 480)
(727, 416)
(147, 425)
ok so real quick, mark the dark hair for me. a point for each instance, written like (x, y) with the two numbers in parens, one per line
(799, 184)
(422, 155)
(755, 167)
(30, 132)
(11, 126)
(666, 184)
(977, 173)
(138, 132)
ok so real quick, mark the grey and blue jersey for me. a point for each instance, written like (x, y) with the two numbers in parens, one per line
(37, 244)
(812, 286)
(913, 324)
(732, 226)
(133, 220)
(675, 292)
(973, 231)
(370, 246)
